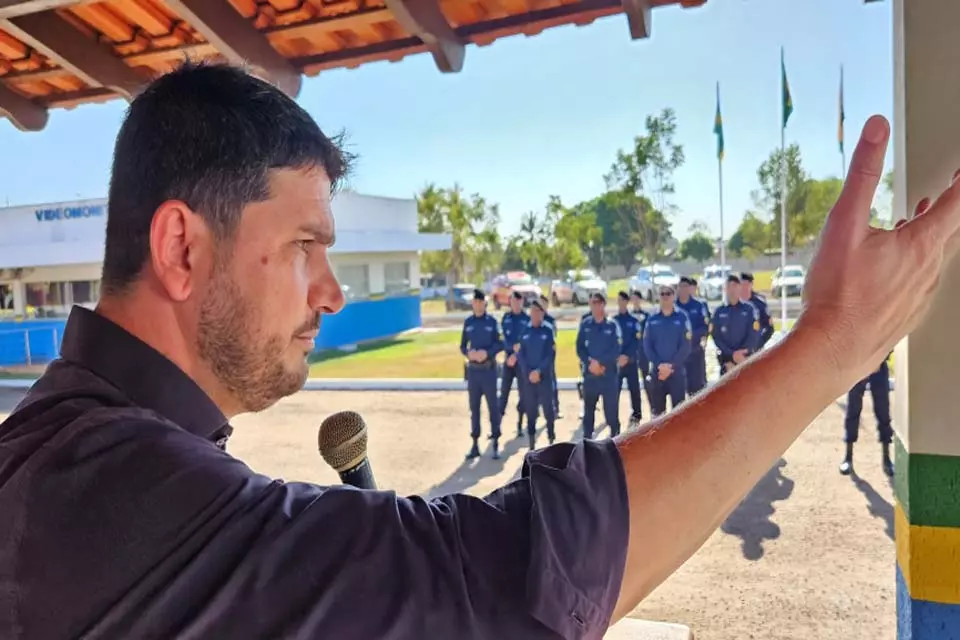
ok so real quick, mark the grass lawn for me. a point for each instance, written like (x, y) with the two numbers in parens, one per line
(420, 355)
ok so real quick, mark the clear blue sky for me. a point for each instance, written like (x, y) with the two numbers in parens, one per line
(530, 117)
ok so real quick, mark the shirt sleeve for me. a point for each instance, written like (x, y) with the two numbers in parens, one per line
(231, 553)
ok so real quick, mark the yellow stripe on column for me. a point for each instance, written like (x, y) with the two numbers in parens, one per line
(929, 559)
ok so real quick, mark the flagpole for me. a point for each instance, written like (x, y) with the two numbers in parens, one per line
(843, 150)
(723, 237)
(783, 200)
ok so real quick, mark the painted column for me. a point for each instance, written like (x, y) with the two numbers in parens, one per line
(19, 299)
(927, 365)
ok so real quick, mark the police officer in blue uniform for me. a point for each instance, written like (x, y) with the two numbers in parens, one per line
(514, 323)
(583, 319)
(628, 364)
(666, 341)
(599, 347)
(550, 320)
(736, 328)
(699, 314)
(536, 360)
(644, 365)
(747, 294)
(480, 343)
(879, 382)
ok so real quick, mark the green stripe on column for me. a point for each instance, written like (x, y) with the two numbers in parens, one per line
(928, 487)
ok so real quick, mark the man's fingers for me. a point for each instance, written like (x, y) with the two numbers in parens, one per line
(851, 214)
(922, 207)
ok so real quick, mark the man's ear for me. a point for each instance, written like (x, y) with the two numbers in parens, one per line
(181, 248)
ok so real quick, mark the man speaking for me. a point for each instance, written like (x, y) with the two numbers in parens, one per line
(124, 518)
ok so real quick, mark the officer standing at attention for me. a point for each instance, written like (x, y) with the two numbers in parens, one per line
(599, 347)
(550, 320)
(666, 341)
(536, 360)
(583, 319)
(628, 365)
(879, 382)
(514, 323)
(747, 294)
(641, 317)
(736, 328)
(480, 343)
(699, 314)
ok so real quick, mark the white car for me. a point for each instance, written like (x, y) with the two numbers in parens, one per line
(791, 281)
(713, 281)
(584, 284)
(649, 278)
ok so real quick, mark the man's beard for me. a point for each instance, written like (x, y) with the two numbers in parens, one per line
(231, 341)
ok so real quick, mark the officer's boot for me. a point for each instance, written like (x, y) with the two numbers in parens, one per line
(887, 462)
(496, 449)
(474, 451)
(846, 467)
(551, 433)
(520, 426)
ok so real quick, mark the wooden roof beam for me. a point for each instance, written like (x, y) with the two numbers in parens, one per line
(638, 18)
(425, 20)
(60, 41)
(25, 115)
(238, 40)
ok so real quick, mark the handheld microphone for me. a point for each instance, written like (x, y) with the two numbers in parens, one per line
(342, 441)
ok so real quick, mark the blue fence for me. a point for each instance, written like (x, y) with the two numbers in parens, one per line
(38, 341)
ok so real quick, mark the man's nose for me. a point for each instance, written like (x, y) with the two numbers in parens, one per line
(326, 296)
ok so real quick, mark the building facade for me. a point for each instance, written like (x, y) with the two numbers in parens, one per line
(51, 257)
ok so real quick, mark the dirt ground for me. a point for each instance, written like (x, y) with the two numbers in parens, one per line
(808, 554)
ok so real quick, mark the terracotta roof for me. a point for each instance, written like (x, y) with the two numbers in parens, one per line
(61, 53)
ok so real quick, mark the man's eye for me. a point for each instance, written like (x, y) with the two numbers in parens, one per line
(305, 244)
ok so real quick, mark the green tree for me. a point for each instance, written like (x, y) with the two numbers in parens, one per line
(698, 247)
(769, 197)
(562, 250)
(817, 198)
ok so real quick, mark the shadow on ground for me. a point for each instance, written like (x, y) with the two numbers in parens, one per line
(877, 505)
(750, 521)
(328, 355)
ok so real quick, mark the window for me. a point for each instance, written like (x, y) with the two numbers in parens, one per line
(54, 299)
(354, 280)
(85, 291)
(396, 278)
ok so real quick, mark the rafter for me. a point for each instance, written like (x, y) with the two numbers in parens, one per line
(238, 40)
(25, 115)
(638, 17)
(425, 20)
(60, 41)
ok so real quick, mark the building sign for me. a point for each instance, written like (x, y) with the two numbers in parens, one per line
(70, 213)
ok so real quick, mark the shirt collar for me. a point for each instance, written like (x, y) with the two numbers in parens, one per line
(142, 373)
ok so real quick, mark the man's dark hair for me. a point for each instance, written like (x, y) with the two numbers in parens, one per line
(206, 135)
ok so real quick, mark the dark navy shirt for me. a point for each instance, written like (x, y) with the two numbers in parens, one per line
(600, 341)
(514, 324)
(666, 338)
(122, 518)
(735, 327)
(481, 332)
(699, 313)
(538, 350)
(631, 332)
(763, 313)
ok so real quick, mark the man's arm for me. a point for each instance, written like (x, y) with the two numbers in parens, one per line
(582, 344)
(650, 347)
(753, 335)
(608, 357)
(682, 351)
(497, 345)
(463, 339)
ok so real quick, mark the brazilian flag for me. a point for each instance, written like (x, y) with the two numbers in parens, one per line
(787, 99)
(718, 127)
(843, 116)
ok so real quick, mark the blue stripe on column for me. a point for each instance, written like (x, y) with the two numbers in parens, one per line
(920, 620)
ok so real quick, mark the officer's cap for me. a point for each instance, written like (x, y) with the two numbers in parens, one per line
(687, 280)
(733, 278)
(536, 303)
(746, 277)
(623, 295)
(693, 281)
(478, 294)
(636, 294)
(517, 295)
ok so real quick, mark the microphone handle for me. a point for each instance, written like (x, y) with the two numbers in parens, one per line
(360, 476)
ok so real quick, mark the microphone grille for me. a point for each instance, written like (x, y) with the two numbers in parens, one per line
(342, 440)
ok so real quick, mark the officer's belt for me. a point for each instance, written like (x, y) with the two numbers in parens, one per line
(487, 364)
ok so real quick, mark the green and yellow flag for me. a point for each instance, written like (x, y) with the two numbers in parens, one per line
(718, 126)
(842, 116)
(787, 100)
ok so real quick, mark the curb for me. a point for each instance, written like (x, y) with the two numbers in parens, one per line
(361, 384)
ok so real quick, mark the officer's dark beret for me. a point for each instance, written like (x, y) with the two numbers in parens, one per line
(623, 295)
(517, 295)
(693, 281)
(733, 278)
(536, 303)
(598, 297)
(746, 277)
(478, 294)
(687, 280)
(636, 294)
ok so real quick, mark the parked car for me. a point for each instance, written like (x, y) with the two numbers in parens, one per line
(577, 288)
(561, 292)
(506, 284)
(649, 278)
(791, 280)
(713, 281)
(463, 296)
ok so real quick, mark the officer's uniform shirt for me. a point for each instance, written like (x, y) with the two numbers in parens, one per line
(642, 317)
(666, 338)
(538, 350)
(763, 313)
(699, 314)
(514, 324)
(631, 333)
(600, 341)
(481, 332)
(735, 327)
(551, 322)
